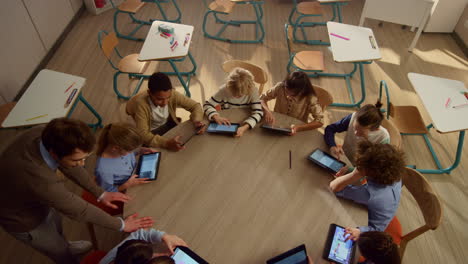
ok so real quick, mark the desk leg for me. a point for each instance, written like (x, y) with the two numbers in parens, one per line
(94, 112)
(348, 85)
(440, 170)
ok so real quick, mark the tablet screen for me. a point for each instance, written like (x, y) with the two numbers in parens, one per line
(341, 251)
(222, 128)
(181, 257)
(149, 165)
(298, 258)
(326, 160)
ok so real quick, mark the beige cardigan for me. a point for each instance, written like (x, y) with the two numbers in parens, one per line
(141, 113)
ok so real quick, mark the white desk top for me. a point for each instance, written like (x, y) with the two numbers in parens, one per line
(357, 48)
(434, 92)
(158, 48)
(45, 99)
(332, 1)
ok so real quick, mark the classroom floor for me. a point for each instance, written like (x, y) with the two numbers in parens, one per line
(435, 54)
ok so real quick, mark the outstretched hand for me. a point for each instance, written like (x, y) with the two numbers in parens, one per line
(133, 223)
(109, 197)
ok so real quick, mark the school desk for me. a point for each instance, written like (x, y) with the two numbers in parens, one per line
(157, 47)
(46, 98)
(434, 93)
(355, 45)
(235, 200)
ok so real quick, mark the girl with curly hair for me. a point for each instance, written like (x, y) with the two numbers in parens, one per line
(238, 92)
(383, 165)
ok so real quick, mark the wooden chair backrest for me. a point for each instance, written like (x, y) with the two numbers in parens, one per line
(258, 73)
(395, 136)
(289, 37)
(425, 196)
(108, 44)
(5, 110)
(324, 97)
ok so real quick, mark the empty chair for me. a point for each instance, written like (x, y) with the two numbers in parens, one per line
(310, 62)
(225, 7)
(126, 65)
(323, 96)
(258, 73)
(131, 7)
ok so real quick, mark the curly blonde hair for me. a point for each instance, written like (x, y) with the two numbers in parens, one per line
(240, 82)
(382, 163)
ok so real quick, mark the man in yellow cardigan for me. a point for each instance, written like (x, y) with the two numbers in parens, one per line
(155, 112)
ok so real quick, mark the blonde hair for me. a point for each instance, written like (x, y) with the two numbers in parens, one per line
(240, 82)
(122, 135)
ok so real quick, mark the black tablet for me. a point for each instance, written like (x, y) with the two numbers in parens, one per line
(297, 255)
(223, 129)
(336, 249)
(281, 130)
(326, 161)
(148, 165)
(183, 255)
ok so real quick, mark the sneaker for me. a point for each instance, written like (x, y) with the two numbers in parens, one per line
(79, 247)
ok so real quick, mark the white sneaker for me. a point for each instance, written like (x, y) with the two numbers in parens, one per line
(79, 247)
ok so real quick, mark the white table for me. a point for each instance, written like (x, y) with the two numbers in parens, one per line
(45, 100)
(157, 47)
(361, 48)
(434, 92)
(414, 13)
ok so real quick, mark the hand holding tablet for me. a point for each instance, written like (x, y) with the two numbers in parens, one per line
(339, 248)
(148, 166)
(222, 129)
(326, 161)
(183, 255)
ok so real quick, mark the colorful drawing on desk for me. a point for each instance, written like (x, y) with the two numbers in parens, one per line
(36, 117)
(69, 87)
(465, 94)
(372, 41)
(70, 98)
(338, 36)
(187, 38)
(174, 46)
(447, 103)
(460, 106)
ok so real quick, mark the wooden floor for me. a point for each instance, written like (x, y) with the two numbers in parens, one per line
(435, 54)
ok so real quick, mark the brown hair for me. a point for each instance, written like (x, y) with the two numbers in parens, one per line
(161, 260)
(299, 82)
(122, 135)
(383, 163)
(63, 136)
(240, 82)
(370, 116)
(134, 252)
(379, 248)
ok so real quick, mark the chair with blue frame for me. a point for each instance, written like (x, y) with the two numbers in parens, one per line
(311, 62)
(127, 65)
(304, 10)
(131, 7)
(225, 7)
(409, 121)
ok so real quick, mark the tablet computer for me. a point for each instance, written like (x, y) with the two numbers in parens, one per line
(297, 255)
(148, 165)
(183, 255)
(326, 161)
(284, 131)
(337, 249)
(222, 129)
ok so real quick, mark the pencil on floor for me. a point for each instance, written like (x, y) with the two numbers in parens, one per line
(289, 159)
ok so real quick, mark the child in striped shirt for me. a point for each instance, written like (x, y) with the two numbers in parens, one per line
(238, 92)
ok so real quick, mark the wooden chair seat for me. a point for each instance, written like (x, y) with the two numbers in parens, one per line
(324, 97)
(408, 119)
(309, 60)
(131, 64)
(260, 76)
(224, 6)
(309, 8)
(5, 109)
(131, 6)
